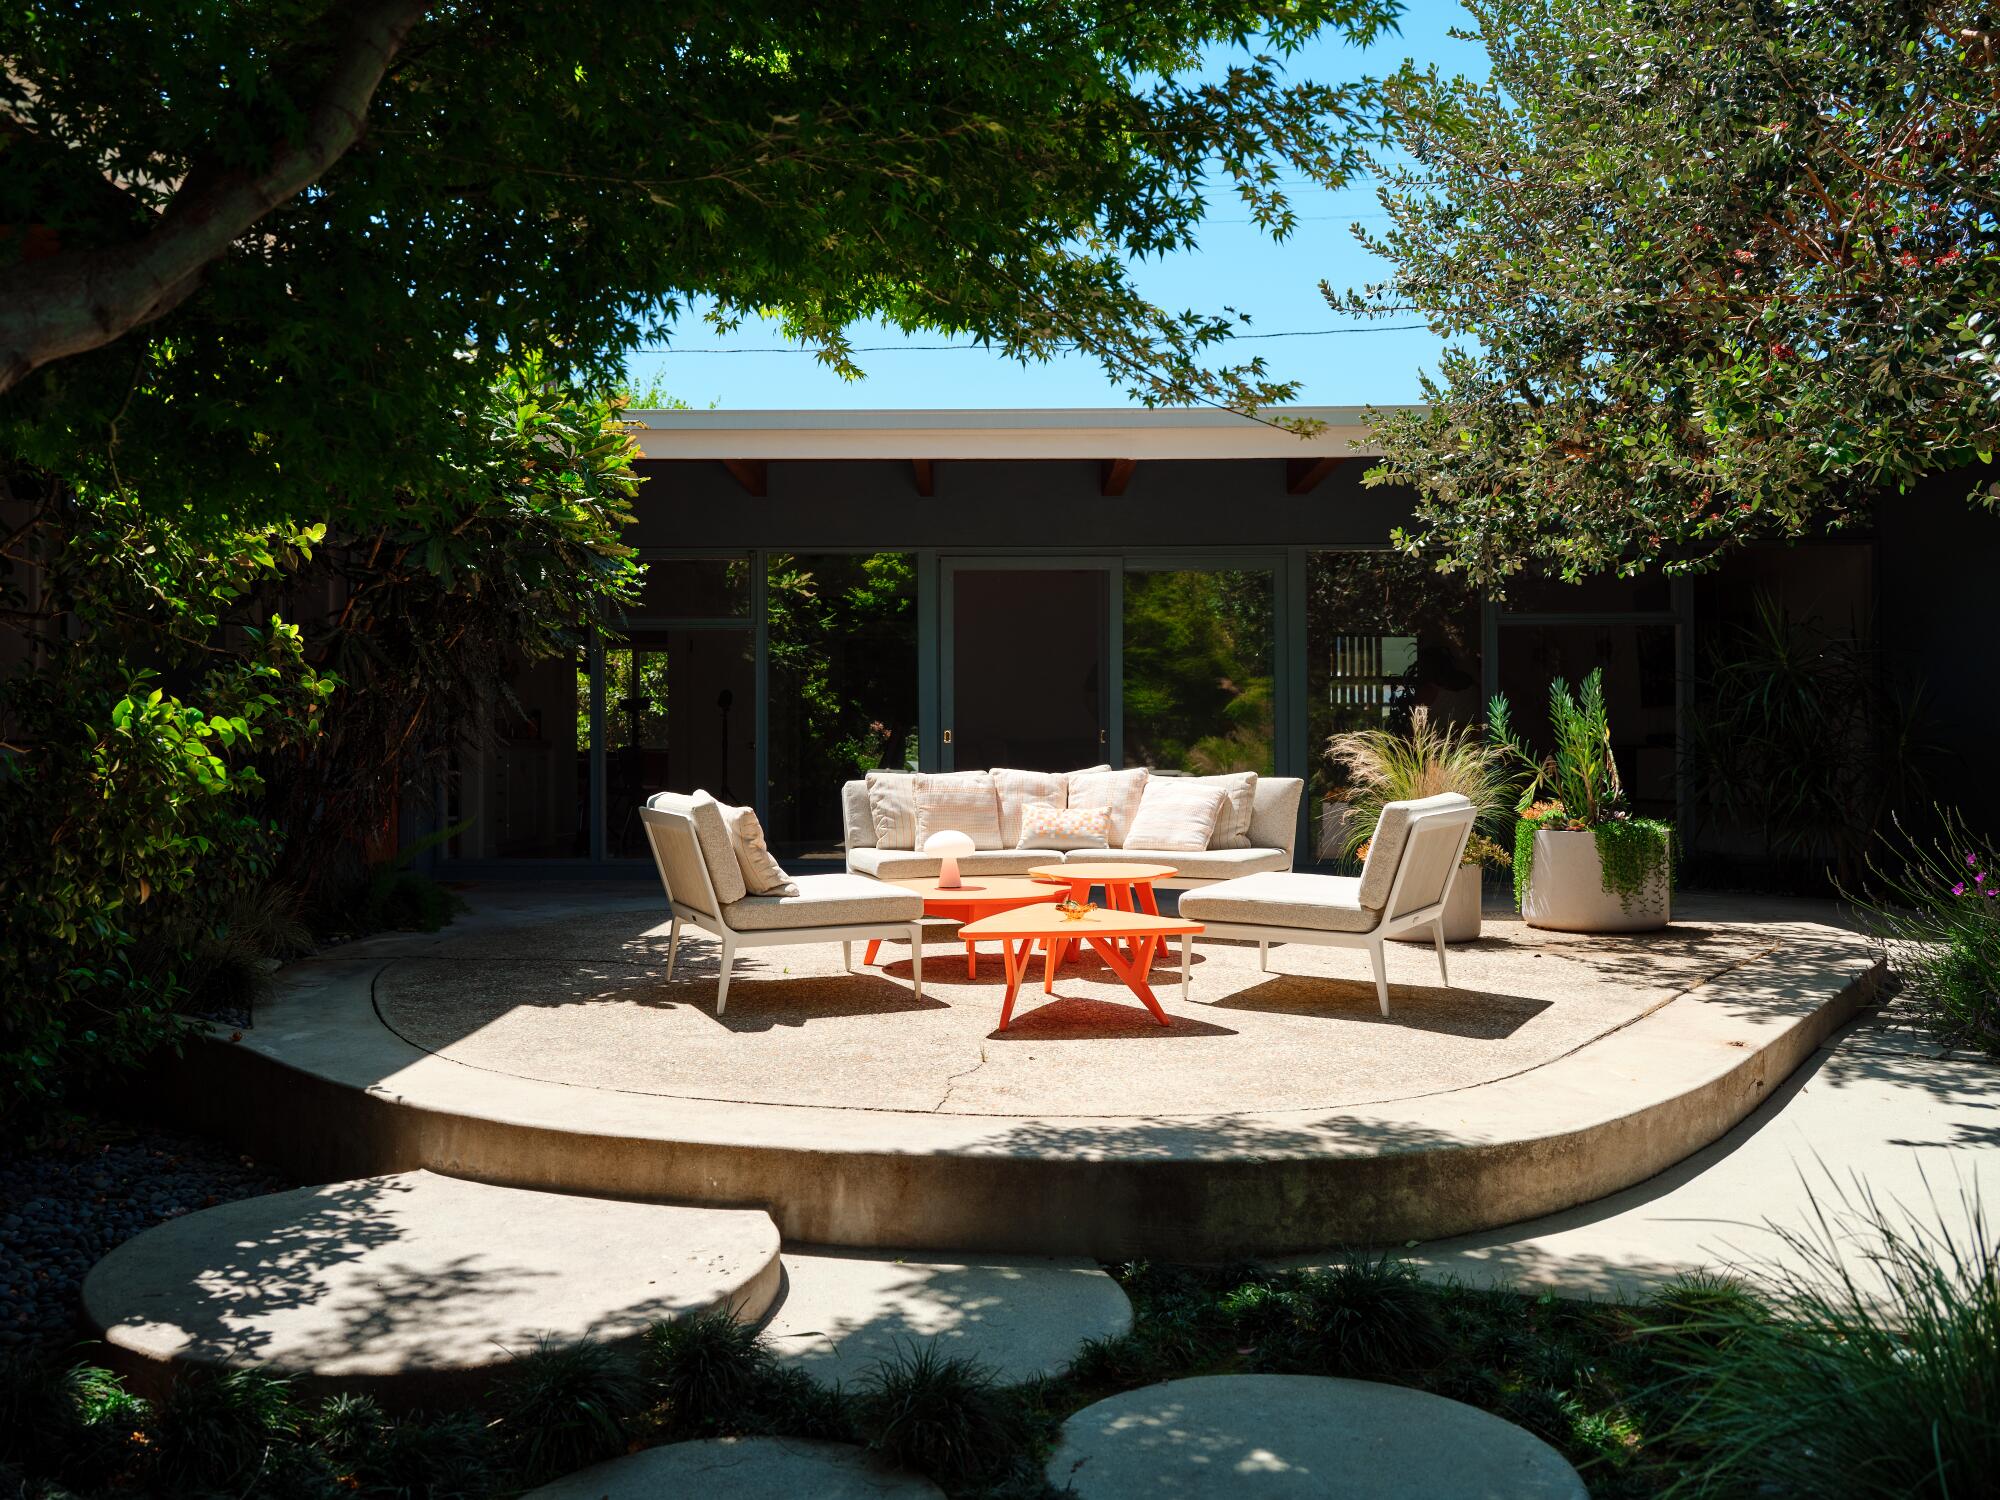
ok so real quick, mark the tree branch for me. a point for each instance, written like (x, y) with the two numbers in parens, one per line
(68, 305)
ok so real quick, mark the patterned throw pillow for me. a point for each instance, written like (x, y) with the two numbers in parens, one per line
(1044, 827)
(961, 800)
(1117, 792)
(1176, 813)
(761, 872)
(1022, 789)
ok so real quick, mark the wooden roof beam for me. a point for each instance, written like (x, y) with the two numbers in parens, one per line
(926, 473)
(1302, 474)
(1115, 475)
(751, 473)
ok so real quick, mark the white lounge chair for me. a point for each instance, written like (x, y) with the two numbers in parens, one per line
(1417, 848)
(843, 909)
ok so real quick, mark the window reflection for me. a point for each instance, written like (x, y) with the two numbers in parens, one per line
(1199, 670)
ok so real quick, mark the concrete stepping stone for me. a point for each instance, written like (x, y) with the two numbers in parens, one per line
(743, 1469)
(414, 1286)
(1276, 1437)
(842, 1311)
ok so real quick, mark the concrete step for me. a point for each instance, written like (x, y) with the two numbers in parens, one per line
(413, 1286)
(843, 1311)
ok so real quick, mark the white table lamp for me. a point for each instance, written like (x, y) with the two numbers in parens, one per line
(948, 845)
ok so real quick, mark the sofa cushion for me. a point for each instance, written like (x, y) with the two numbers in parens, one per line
(1274, 817)
(826, 901)
(907, 864)
(1117, 792)
(762, 874)
(1176, 812)
(1198, 864)
(1232, 825)
(960, 800)
(1392, 832)
(1321, 903)
(1065, 828)
(892, 808)
(1020, 790)
(718, 852)
(857, 822)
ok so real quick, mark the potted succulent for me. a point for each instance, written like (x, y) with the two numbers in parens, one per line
(1383, 767)
(1582, 861)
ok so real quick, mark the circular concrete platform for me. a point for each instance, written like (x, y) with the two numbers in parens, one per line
(415, 1286)
(1301, 1437)
(742, 1469)
(539, 1045)
(843, 1311)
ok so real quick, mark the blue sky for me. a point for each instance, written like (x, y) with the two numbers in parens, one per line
(1237, 265)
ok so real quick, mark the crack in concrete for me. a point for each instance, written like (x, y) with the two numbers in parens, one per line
(952, 1082)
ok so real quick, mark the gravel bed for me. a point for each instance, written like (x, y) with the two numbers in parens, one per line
(64, 1205)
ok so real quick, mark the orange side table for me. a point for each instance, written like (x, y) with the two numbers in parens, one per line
(1127, 887)
(980, 896)
(1021, 929)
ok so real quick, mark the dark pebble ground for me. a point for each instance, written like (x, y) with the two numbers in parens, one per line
(64, 1204)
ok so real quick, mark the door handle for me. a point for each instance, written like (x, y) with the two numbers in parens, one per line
(1103, 736)
(947, 736)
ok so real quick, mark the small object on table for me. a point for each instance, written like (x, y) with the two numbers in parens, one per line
(950, 846)
(1074, 910)
(1020, 929)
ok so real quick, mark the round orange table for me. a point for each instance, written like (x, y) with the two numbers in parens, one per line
(979, 896)
(1127, 887)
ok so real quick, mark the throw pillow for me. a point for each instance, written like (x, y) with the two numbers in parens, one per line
(892, 805)
(1232, 827)
(1176, 813)
(961, 800)
(761, 872)
(1022, 789)
(1117, 792)
(1044, 827)
(718, 850)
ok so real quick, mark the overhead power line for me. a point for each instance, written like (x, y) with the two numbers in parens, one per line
(1289, 333)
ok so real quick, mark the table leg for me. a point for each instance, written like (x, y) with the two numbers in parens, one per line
(1015, 963)
(1148, 947)
(1049, 962)
(1134, 980)
(971, 959)
(868, 958)
(1147, 901)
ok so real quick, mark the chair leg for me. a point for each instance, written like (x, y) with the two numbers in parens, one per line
(1437, 941)
(673, 946)
(1264, 957)
(917, 959)
(847, 957)
(1187, 963)
(722, 985)
(1381, 964)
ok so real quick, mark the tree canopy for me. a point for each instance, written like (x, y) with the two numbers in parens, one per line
(1710, 270)
(258, 252)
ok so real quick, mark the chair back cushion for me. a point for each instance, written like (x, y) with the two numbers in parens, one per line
(857, 823)
(1019, 790)
(1064, 828)
(762, 873)
(1117, 792)
(1176, 812)
(1392, 835)
(1429, 862)
(961, 800)
(677, 852)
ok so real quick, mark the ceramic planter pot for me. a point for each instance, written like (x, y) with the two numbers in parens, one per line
(1461, 911)
(1566, 890)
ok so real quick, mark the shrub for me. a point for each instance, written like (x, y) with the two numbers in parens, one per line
(220, 1430)
(1876, 1372)
(921, 1409)
(447, 1457)
(710, 1368)
(564, 1406)
(1935, 914)
(1384, 767)
(1368, 1317)
(74, 1423)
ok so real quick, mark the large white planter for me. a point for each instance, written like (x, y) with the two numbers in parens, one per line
(1566, 890)
(1461, 912)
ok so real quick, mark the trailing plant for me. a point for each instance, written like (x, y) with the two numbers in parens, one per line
(1383, 766)
(1933, 908)
(1575, 788)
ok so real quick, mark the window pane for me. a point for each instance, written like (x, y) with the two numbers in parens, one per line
(1384, 633)
(1640, 678)
(694, 588)
(1599, 593)
(526, 786)
(843, 685)
(1199, 670)
(679, 716)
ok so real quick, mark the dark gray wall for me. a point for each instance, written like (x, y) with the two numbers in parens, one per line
(1056, 503)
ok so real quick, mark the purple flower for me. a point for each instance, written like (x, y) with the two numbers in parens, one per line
(1971, 860)
(1959, 889)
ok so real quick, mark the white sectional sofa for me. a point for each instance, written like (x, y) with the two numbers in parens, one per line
(1272, 839)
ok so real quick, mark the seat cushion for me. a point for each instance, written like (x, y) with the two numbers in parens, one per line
(909, 864)
(1190, 864)
(1322, 903)
(825, 901)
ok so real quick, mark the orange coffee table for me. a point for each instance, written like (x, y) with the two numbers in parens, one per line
(1122, 884)
(979, 896)
(1019, 931)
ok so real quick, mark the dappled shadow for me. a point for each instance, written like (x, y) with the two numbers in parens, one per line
(1480, 1014)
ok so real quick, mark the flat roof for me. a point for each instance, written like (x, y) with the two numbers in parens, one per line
(998, 433)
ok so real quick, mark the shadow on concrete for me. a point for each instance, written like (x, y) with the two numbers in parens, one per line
(1045, 1018)
(1480, 1014)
